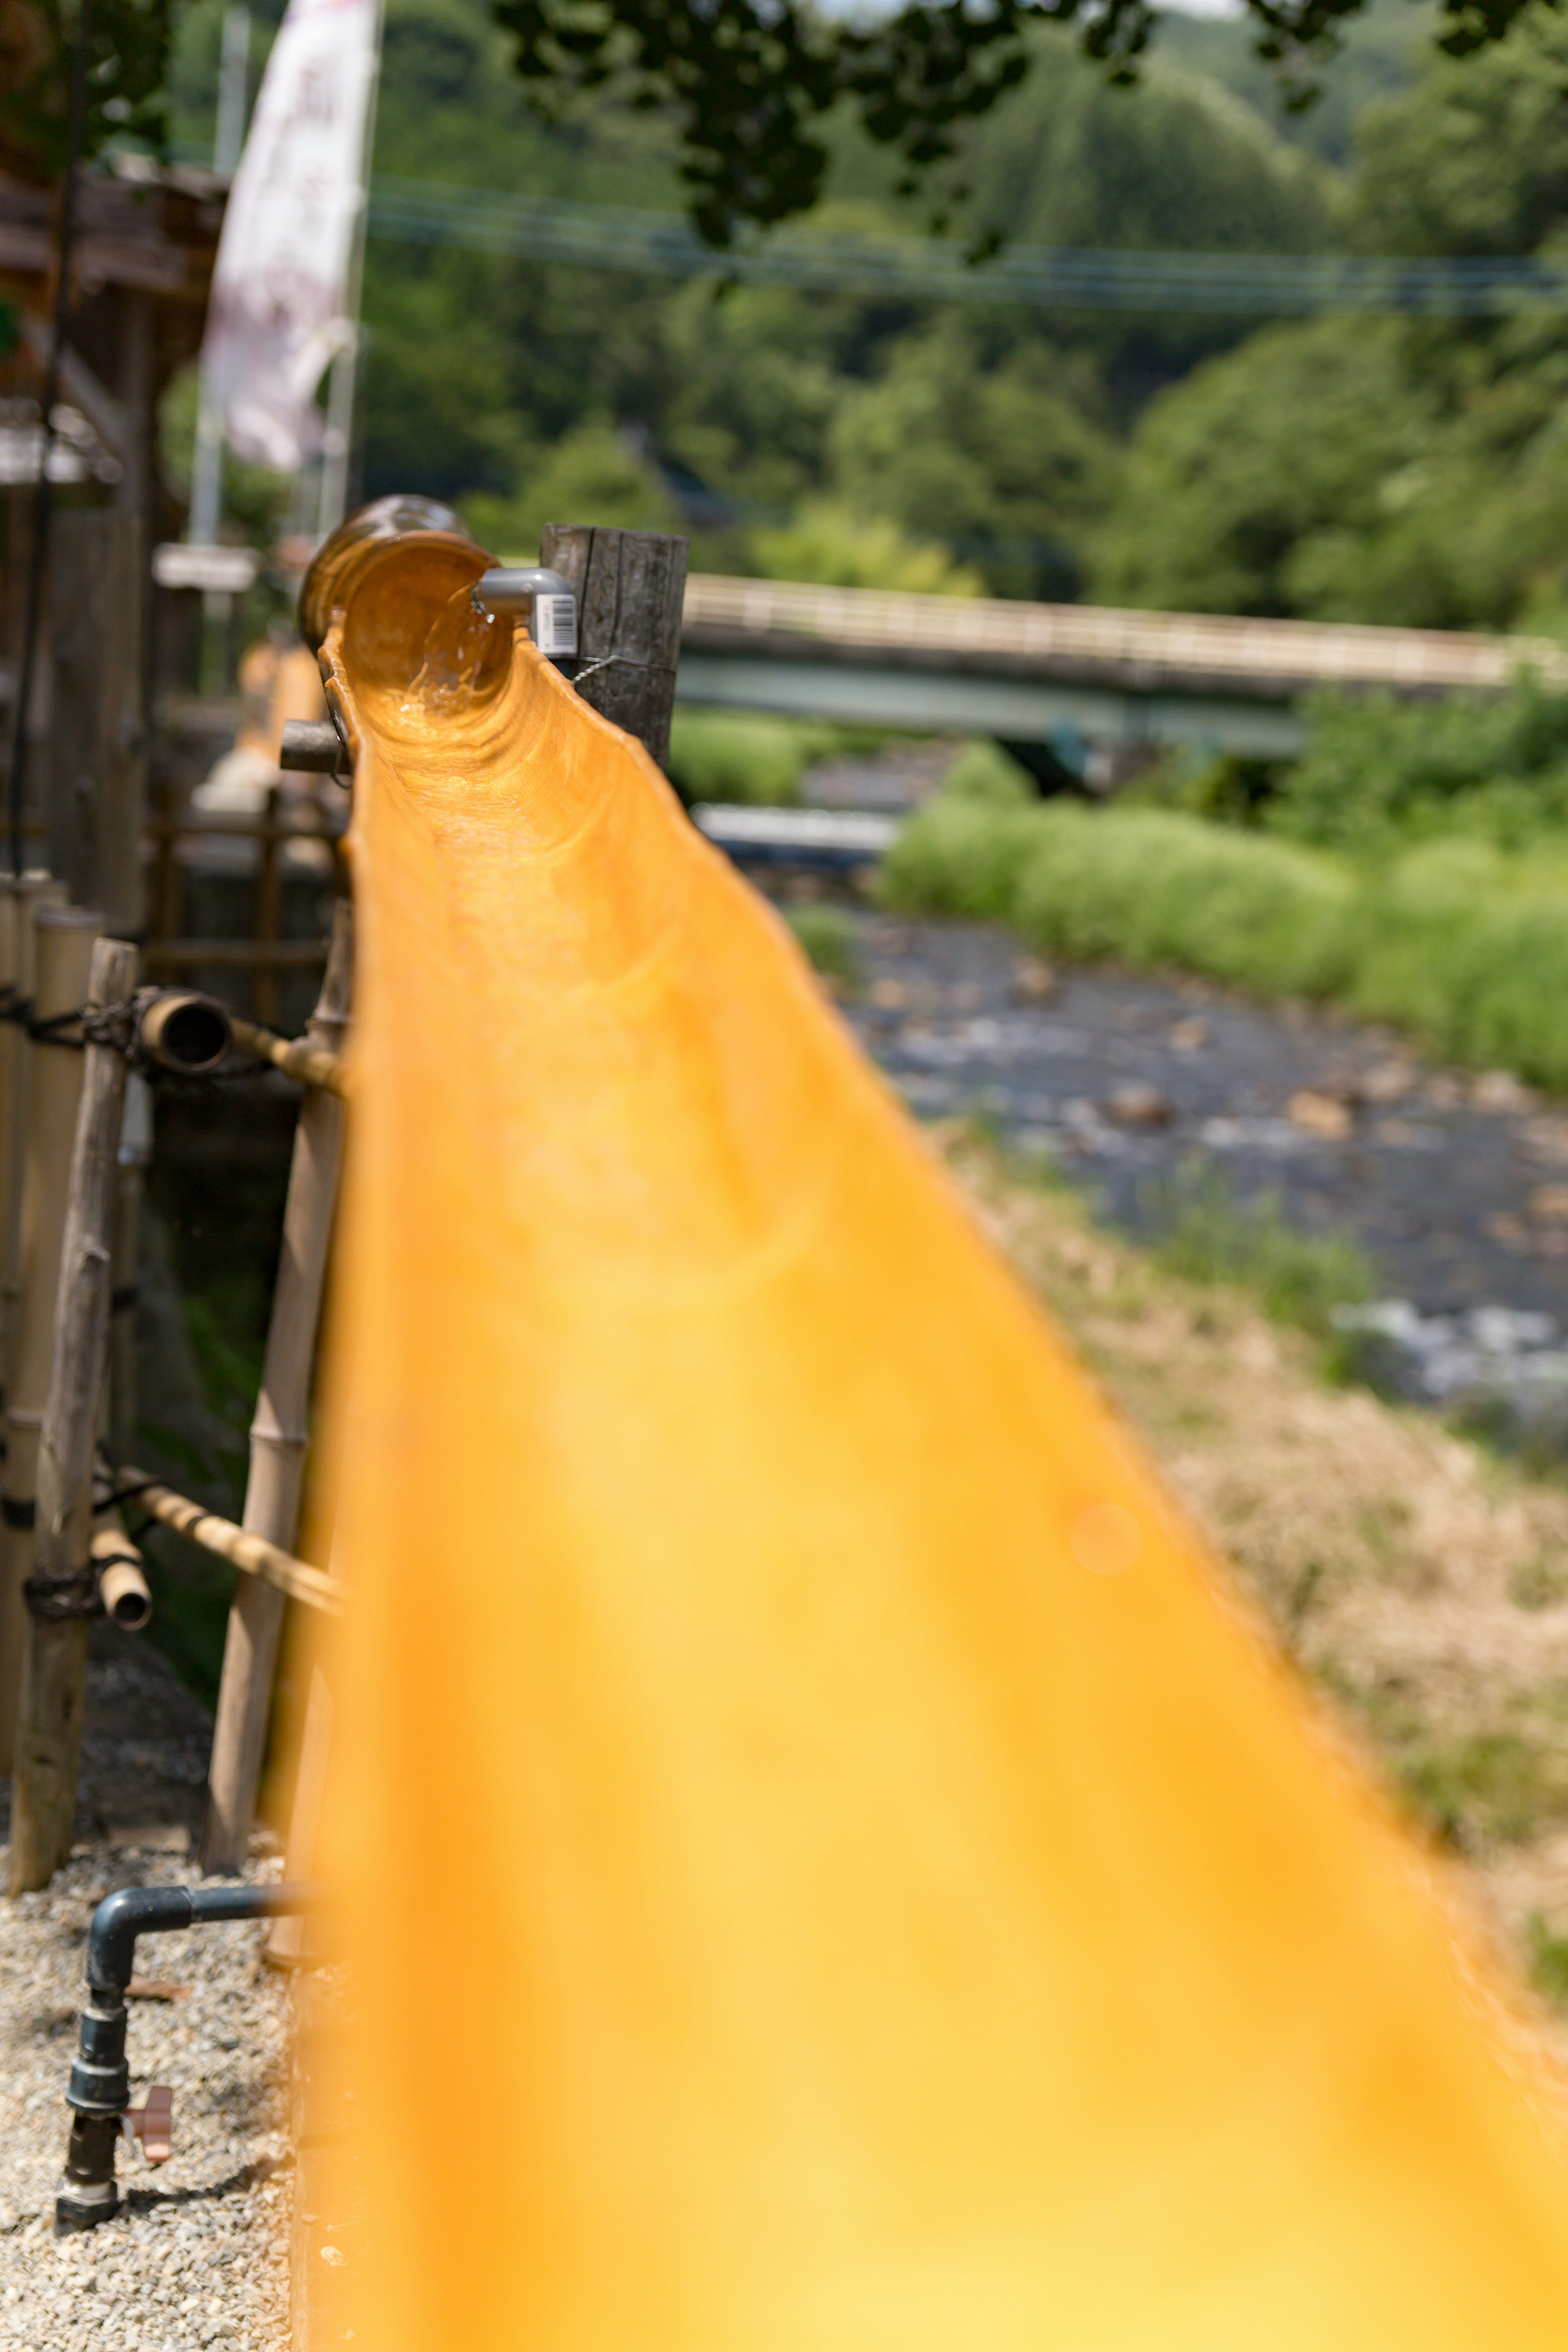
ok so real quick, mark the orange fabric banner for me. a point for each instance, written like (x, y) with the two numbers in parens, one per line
(829, 1868)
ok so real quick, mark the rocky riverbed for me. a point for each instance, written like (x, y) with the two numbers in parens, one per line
(1455, 1184)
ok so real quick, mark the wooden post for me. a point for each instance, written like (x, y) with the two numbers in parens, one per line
(629, 585)
(99, 728)
(16, 972)
(279, 1432)
(62, 947)
(54, 1674)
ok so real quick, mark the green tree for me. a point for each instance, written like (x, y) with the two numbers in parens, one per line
(590, 471)
(1235, 474)
(127, 55)
(1002, 463)
(754, 84)
(1410, 470)
(1474, 159)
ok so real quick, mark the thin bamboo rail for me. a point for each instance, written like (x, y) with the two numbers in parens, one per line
(265, 1562)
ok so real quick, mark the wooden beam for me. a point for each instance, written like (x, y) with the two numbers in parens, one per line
(53, 1673)
(280, 1431)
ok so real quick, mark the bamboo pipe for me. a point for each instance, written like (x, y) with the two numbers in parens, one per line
(309, 1065)
(53, 1667)
(265, 1563)
(61, 944)
(122, 1583)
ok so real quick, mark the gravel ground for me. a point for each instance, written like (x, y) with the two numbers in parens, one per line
(198, 2255)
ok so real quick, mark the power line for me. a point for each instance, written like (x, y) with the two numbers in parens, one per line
(607, 237)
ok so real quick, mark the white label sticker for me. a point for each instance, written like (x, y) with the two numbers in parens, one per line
(555, 624)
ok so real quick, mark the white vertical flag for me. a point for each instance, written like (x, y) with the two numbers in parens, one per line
(279, 289)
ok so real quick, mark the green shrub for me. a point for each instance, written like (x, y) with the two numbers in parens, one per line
(1145, 885)
(1457, 942)
(721, 755)
(828, 935)
(962, 856)
(1470, 950)
(983, 772)
(1379, 774)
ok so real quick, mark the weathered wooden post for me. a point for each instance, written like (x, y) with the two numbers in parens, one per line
(60, 1595)
(17, 900)
(280, 1431)
(629, 585)
(98, 730)
(62, 944)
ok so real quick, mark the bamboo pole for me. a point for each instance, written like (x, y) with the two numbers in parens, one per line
(288, 1942)
(54, 1671)
(121, 1576)
(61, 943)
(279, 1433)
(264, 1564)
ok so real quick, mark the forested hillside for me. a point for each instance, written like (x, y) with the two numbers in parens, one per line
(1387, 469)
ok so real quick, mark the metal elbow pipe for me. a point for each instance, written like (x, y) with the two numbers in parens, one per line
(542, 598)
(99, 2087)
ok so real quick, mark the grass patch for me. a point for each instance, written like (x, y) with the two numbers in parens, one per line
(1539, 1584)
(1548, 1956)
(828, 938)
(1461, 943)
(732, 755)
(1488, 1788)
(1299, 1278)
